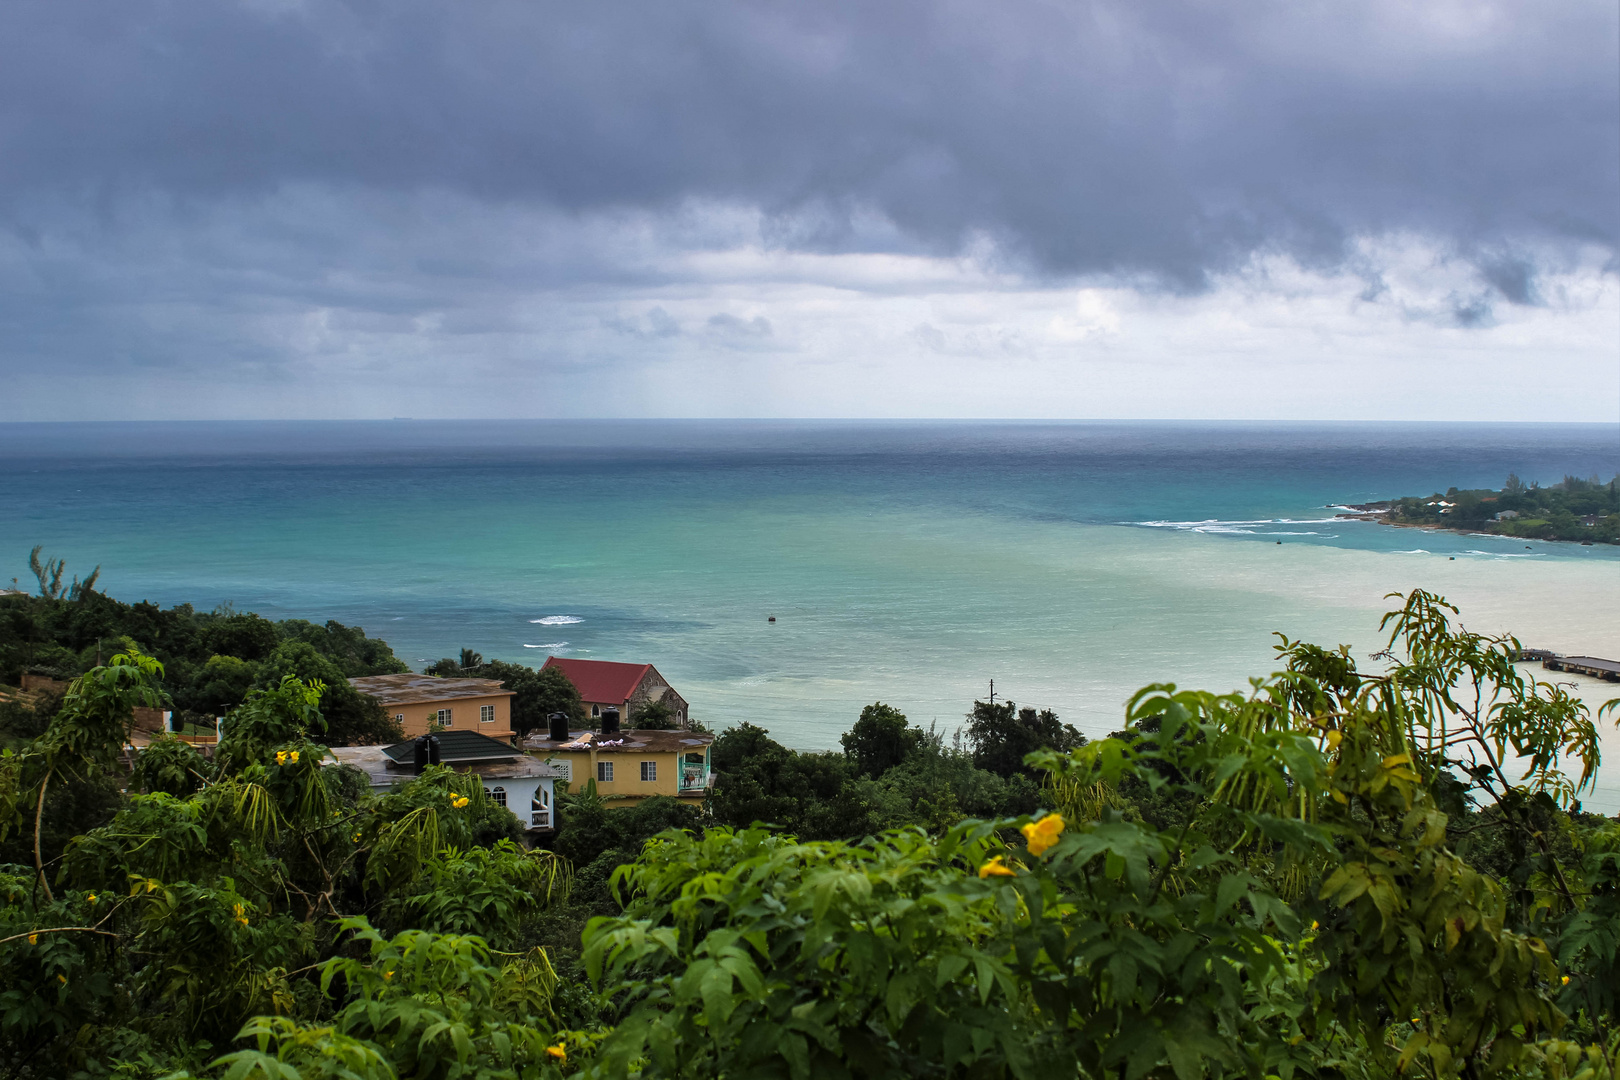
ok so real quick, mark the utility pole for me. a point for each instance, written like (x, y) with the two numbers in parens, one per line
(992, 691)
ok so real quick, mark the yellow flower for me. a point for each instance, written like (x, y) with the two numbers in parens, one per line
(91, 898)
(558, 1052)
(1565, 982)
(241, 914)
(281, 757)
(33, 939)
(62, 979)
(387, 975)
(1314, 925)
(293, 757)
(1044, 833)
(459, 801)
(996, 867)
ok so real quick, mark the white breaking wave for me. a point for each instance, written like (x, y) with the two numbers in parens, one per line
(1414, 551)
(1262, 527)
(552, 645)
(557, 620)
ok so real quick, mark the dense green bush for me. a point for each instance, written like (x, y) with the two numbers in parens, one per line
(218, 893)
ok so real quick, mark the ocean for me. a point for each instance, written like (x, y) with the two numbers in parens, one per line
(910, 563)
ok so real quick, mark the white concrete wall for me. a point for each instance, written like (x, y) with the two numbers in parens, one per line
(520, 795)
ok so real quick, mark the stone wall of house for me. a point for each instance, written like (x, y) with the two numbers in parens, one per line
(653, 688)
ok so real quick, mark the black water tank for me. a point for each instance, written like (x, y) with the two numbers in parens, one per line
(433, 749)
(419, 750)
(559, 726)
(610, 721)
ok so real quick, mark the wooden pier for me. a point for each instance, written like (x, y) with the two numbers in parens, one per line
(1592, 666)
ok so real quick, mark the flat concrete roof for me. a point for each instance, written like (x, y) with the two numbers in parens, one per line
(621, 742)
(383, 772)
(414, 689)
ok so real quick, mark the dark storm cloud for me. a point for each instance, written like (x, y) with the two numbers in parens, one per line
(1163, 139)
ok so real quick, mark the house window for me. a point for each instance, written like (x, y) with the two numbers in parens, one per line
(498, 794)
(604, 772)
(399, 718)
(486, 714)
(444, 717)
(596, 710)
(649, 771)
(540, 810)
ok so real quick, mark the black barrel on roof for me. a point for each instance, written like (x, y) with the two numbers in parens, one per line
(610, 721)
(419, 756)
(559, 726)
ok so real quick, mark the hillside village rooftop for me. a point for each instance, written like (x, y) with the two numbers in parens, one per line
(413, 689)
(418, 703)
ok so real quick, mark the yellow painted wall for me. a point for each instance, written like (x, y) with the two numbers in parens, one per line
(627, 782)
(463, 717)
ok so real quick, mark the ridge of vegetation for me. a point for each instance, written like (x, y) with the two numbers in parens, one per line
(1572, 509)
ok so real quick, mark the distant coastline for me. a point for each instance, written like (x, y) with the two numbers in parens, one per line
(1573, 511)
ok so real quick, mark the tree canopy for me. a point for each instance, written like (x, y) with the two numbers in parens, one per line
(210, 660)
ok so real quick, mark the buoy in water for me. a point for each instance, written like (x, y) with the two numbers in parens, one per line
(771, 619)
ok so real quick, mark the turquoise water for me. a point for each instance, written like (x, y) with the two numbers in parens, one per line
(911, 563)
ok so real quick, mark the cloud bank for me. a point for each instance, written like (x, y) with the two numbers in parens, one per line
(525, 208)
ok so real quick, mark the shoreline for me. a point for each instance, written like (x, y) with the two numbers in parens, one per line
(1381, 517)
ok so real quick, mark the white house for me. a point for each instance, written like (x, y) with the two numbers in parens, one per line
(518, 781)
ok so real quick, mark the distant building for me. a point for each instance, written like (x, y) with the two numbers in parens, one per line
(418, 701)
(518, 781)
(629, 766)
(1506, 515)
(604, 684)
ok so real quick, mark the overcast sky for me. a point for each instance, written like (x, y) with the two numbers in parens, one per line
(1020, 208)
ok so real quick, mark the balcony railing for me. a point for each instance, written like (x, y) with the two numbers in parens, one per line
(540, 819)
(694, 777)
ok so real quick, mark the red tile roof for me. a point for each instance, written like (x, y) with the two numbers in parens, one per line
(603, 682)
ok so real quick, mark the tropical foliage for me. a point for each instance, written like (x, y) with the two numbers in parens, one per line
(221, 890)
(211, 660)
(1349, 870)
(1572, 509)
